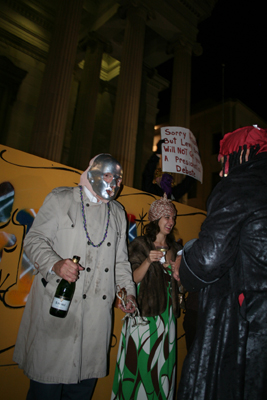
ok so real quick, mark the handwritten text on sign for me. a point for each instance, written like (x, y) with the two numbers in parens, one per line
(180, 152)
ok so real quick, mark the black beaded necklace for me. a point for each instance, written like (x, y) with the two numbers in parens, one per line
(85, 222)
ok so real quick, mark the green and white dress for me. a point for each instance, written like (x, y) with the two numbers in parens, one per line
(146, 361)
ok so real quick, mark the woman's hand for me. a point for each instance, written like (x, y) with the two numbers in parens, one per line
(175, 268)
(154, 255)
(139, 273)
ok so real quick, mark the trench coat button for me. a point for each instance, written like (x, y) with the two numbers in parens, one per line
(58, 280)
(84, 296)
(88, 242)
(72, 225)
(87, 204)
(88, 269)
(108, 244)
(106, 269)
(104, 297)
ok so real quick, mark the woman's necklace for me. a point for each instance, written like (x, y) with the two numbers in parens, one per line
(85, 222)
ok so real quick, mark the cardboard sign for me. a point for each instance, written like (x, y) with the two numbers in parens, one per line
(180, 152)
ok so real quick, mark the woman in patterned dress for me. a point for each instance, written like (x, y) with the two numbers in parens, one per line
(146, 361)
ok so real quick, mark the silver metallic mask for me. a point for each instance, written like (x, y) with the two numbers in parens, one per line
(105, 176)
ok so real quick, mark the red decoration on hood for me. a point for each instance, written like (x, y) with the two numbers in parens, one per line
(249, 136)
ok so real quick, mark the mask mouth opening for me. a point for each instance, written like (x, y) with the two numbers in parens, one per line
(110, 191)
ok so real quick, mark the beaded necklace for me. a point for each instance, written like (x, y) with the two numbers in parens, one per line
(85, 223)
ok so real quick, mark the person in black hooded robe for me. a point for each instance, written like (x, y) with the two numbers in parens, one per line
(228, 265)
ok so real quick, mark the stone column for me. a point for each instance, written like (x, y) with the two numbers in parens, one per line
(84, 120)
(11, 78)
(52, 107)
(181, 88)
(125, 120)
(181, 85)
(153, 83)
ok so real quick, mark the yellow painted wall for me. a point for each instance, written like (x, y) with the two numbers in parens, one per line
(32, 179)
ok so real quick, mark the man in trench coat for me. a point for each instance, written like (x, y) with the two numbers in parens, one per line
(64, 356)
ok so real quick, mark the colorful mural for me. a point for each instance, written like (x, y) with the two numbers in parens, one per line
(14, 288)
(25, 180)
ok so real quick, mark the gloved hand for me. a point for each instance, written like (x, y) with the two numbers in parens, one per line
(158, 151)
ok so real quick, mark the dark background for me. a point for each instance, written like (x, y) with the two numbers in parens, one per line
(234, 36)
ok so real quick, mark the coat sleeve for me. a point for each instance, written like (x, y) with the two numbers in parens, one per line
(123, 271)
(208, 258)
(38, 243)
(182, 188)
(137, 253)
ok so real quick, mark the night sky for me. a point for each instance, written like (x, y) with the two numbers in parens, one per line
(234, 36)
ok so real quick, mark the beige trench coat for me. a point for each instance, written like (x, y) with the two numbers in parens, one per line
(67, 350)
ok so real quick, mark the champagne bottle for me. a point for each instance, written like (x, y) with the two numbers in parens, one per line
(63, 296)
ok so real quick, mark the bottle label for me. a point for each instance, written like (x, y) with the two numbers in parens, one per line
(60, 303)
